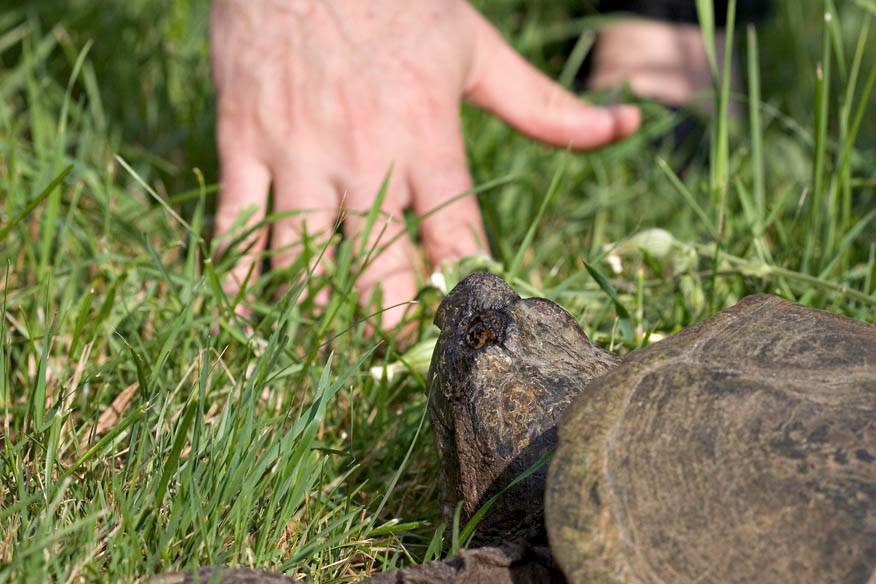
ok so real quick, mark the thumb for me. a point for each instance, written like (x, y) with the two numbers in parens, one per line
(502, 82)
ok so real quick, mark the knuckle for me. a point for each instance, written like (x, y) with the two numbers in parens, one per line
(234, 129)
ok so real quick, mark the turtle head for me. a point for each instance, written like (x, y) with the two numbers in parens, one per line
(503, 372)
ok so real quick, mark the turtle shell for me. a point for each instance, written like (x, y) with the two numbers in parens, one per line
(742, 449)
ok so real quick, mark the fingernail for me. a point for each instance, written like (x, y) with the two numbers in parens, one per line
(627, 118)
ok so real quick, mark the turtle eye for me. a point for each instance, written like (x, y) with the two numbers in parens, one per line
(486, 328)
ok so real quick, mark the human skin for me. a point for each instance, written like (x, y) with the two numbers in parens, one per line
(320, 98)
(663, 61)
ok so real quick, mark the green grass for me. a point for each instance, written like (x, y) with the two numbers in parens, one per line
(146, 426)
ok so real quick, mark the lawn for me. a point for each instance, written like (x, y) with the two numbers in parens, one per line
(146, 425)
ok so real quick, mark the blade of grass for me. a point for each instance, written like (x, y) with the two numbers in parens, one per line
(846, 242)
(626, 323)
(687, 196)
(472, 524)
(514, 268)
(756, 125)
(35, 202)
(101, 445)
(38, 406)
(374, 211)
(151, 192)
(576, 57)
(706, 17)
(815, 224)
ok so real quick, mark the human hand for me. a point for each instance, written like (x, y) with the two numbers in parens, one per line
(321, 97)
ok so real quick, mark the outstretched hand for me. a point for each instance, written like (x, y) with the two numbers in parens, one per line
(320, 97)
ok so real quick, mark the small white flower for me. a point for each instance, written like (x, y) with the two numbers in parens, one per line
(614, 262)
(377, 373)
(438, 280)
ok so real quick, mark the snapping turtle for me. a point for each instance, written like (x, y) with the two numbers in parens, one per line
(741, 449)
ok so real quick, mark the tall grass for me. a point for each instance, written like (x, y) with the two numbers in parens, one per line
(147, 425)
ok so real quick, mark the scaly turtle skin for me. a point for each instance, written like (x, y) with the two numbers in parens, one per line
(503, 372)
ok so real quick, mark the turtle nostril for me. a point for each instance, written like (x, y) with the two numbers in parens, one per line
(477, 338)
(487, 328)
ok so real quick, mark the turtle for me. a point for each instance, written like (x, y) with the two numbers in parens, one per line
(740, 449)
